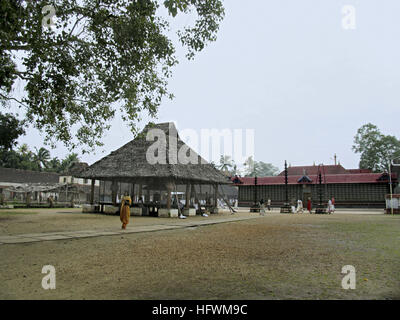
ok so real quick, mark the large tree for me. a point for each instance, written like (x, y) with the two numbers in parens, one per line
(10, 130)
(101, 55)
(376, 149)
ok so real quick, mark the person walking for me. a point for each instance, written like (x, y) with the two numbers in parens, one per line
(330, 206)
(125, 210)
(309, 205)
(269, 204)
(333, 204)
(262, 207)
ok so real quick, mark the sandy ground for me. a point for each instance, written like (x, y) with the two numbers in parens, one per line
(274, 257)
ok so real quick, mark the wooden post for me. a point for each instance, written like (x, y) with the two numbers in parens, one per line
(187, 202)
(99, 189)
(169, 198)
(92, 192)
(114, 190)
(193, 194)
(148, 194)
(133, 192)
(216, 195)
(140, 191)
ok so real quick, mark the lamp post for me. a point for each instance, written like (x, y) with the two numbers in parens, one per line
(321, 209)
(391, 183)
(286, 207)
(390, 187)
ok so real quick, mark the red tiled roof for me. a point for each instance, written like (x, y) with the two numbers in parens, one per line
(359, 171)
(330, 179)
(313, 170)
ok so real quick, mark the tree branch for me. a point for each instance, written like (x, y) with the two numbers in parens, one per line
(14, 99)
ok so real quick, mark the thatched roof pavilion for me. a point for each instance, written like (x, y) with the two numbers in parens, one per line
(129, 164)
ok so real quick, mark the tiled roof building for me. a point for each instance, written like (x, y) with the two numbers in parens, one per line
(350, 188)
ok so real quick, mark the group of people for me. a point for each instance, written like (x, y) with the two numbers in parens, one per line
(330, 207)
(299, 208)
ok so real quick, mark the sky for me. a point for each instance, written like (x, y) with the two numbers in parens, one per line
(288, 70)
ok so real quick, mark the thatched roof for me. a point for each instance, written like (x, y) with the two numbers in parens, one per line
(76, 168)
(129, 163)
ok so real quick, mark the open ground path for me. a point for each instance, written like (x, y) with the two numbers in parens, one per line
(279, 256)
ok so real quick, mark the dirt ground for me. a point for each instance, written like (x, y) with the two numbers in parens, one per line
(274, 257)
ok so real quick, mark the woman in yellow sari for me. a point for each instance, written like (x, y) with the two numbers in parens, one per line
(125, 211)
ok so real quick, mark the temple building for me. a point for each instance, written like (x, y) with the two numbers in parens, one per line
(349, 187)
(159, 171)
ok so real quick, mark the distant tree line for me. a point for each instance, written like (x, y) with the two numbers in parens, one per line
(250, 168)
(376, 150)
(21, 157)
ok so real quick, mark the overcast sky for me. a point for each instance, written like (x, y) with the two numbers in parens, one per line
(290, 71)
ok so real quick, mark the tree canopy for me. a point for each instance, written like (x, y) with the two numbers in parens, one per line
(40, 160)
(258, 168)
(99, 56)
(10, 130)
(376, 149)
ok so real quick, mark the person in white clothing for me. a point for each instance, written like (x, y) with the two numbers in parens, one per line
(330, 208)
(299, 206)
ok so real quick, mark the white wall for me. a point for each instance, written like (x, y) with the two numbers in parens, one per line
(70, 179)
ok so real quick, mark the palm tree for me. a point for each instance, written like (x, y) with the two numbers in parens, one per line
(225, 163)
(42, 157)
(67, 163)
(54, 165)
(250, 166)
(23, 149)
(235, 170)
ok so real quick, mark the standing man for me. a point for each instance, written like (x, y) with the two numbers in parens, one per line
(309, 205)
(125, 211)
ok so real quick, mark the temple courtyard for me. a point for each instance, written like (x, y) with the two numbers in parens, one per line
(224, 256)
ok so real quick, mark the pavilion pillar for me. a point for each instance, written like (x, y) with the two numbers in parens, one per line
(147, 194)
(140, 191)
(216, 195)
(193, 193)
(133, 192)
(92, 192)
(187, 202)
(169, 212)
(114, 189)
(169, 197)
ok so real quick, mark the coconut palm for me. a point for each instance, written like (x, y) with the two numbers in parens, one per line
(41, 158)
(225, 163)
(23, 149)
(67, 163)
